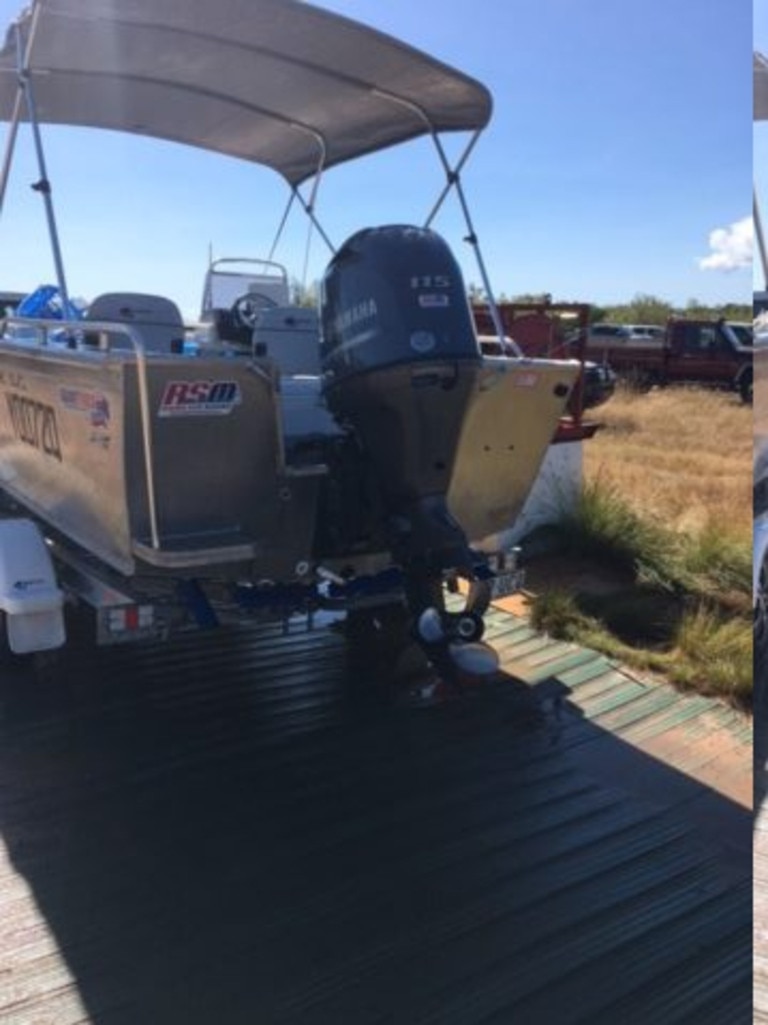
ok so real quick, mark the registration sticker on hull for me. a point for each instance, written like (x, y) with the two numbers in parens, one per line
(199, 398)
(94, 405)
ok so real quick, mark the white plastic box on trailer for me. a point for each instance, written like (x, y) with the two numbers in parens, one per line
(31, 603)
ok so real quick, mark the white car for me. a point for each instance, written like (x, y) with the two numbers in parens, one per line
(650, 332)
(609, 336)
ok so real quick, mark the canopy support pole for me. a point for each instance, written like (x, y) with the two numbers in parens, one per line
(308, 206)
(453, 180)
(281, 226)
(760, 237)
(13, 128)
(451, 173)
(43, 186)
(312, 223)
(10, 146)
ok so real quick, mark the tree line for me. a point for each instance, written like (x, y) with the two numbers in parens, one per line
(642, 309)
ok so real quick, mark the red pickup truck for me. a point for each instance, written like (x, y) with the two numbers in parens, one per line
(548, 330)
(704, 352)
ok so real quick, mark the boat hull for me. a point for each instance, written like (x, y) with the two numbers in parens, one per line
(176, 465)
(511, 419)
(201, 483)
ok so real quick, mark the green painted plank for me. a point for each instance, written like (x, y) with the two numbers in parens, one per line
(622, 714)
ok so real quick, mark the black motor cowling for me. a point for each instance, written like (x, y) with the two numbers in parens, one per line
(400, 361)
(393, 294)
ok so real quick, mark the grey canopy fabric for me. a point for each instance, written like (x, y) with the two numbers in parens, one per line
(278, 82)
(760, 87)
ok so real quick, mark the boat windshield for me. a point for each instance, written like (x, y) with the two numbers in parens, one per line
(228, 280)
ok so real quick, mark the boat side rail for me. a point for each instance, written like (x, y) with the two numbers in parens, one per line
(71, 335)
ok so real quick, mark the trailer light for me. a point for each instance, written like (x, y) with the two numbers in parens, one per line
(130, 617)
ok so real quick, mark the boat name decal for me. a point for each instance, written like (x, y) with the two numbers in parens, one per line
(357, 314)
(35, 424)
(199, 398)
(94, 405)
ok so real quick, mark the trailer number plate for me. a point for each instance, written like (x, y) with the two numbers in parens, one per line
(504, 584)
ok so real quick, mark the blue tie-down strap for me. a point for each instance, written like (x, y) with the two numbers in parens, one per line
(47, 303)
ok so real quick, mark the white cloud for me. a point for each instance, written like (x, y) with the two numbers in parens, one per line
(731, 247)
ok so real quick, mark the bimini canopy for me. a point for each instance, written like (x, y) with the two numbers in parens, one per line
(760, 87)
(278, 82)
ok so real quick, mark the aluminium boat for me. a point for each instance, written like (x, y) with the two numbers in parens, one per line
(279, 457)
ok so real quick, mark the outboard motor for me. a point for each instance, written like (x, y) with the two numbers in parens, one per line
(400, 359)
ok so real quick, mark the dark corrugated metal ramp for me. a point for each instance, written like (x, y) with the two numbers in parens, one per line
(243, 828)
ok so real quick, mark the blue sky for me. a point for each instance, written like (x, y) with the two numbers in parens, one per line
(618, 161)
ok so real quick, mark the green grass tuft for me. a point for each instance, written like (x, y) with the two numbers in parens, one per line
(604, 527)
(714, 654)
(687, 612)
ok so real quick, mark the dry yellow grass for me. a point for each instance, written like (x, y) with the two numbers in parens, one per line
(680, 460)
(681, 456)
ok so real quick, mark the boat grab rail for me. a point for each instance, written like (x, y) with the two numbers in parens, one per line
(69, 336)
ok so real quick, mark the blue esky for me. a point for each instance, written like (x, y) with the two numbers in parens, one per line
(618, 161)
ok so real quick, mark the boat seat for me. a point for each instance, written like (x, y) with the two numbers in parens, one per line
(289, 335)
(157, 320)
